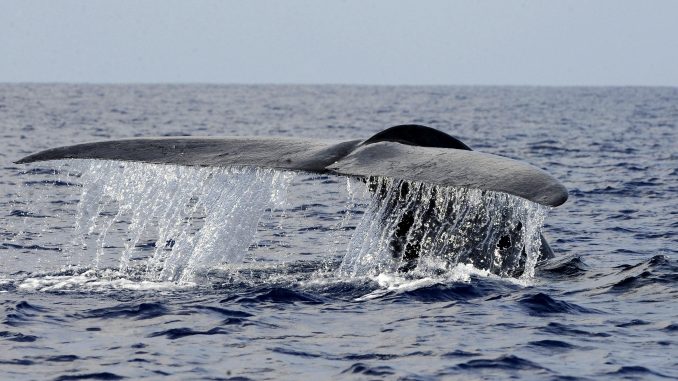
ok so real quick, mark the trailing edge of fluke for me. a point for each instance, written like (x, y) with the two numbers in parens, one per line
(407, 152)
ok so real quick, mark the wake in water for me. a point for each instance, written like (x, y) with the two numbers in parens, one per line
(146, 226)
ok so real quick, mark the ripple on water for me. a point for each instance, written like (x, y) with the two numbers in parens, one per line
(540, 304)
(17, 336)
(127, 311)
(178, 333)
(367, 370)
(106, 376)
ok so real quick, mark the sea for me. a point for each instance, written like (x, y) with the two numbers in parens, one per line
(118, 270)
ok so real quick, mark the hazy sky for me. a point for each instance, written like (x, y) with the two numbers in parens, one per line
(587, 42)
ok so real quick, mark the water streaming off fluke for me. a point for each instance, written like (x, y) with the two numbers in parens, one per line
(165, 223)
(189, 218)
(417, 226)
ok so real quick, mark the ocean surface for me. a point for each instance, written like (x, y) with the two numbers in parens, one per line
(135, 271)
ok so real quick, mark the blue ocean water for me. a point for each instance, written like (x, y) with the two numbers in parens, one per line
(114, 271)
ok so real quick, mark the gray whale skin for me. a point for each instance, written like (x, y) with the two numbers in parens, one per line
(407, 152)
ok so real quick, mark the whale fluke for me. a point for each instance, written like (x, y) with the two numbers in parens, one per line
(408, 152)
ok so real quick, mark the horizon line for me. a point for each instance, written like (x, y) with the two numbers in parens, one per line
(196, 83)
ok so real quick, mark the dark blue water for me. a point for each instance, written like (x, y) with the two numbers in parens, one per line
(113, 272)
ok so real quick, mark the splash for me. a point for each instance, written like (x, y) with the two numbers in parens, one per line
(409, 224)
(194, 217)
(186, 225)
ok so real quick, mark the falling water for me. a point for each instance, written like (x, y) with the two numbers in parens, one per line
(195, 217)
(410, 225)
(163, 223)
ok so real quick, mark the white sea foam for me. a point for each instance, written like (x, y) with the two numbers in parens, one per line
(395, 283)
(95, 281)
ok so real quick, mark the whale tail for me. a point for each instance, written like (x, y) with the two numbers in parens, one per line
(406, 152)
